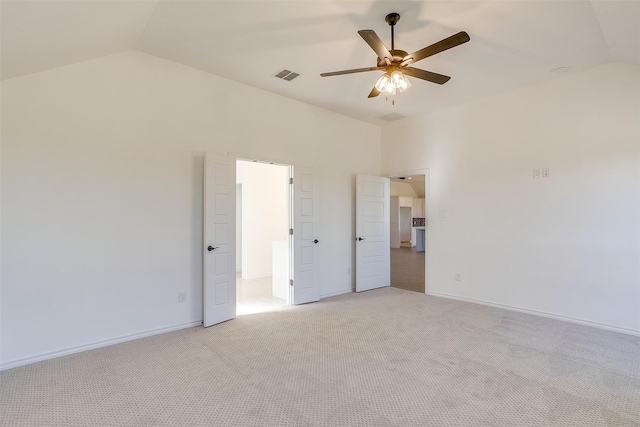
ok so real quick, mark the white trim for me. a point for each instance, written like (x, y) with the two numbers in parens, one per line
(540, 313)
(336, 293)
(104, 343)
(260, 159)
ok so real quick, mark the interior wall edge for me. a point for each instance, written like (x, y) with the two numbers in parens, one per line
(605, 326)
(94, 345)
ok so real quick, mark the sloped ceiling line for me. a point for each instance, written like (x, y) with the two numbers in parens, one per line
(146, 25)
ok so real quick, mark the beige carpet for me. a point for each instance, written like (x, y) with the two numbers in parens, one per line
(382, 358)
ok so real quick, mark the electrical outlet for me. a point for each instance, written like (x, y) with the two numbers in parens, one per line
(536, 173)
(458, 277)
(442, 214)
(182, 296)
(348, 271)
(545, 172)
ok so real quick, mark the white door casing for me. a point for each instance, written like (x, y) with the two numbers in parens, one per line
(219, 240)
(306, 287)
(373, 268)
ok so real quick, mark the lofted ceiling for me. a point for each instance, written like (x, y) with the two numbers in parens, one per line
(416, 182)
(513, 43)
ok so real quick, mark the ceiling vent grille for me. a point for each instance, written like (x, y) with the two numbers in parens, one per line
(392, 117)
(287, 75)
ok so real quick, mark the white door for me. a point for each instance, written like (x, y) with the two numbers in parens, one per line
(372, 233)
(219, 240)
(305, 236)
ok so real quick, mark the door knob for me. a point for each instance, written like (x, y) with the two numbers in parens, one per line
(210, 248)
(361, 238)
(316, 241)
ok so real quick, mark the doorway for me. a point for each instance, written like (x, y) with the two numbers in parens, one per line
(219, 275)
(408, 231)
(263, 246)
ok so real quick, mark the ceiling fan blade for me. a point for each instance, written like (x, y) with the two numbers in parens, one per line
(441, 46)
(376, 44)
(374, 92)
(355, 70)
(426, 75)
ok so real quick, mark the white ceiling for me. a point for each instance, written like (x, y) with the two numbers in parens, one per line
(513, 43)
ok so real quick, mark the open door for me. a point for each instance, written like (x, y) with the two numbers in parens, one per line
(373, 268)
(305, 235)
(219, 240)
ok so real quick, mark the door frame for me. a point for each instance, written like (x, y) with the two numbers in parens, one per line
(427, 195)
(289, 166)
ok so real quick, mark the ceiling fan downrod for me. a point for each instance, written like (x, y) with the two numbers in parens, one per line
(392, 19)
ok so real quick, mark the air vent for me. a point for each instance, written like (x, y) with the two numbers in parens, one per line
(392, 117)
(287, 75)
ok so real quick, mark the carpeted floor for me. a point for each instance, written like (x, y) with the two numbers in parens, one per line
(381, 358)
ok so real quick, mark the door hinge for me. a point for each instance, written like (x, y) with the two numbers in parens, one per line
(290, 282)
(290, 180)
(290, 231)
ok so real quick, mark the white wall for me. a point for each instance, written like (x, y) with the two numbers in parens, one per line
(567, 245)
(264, 217)
(102, 194)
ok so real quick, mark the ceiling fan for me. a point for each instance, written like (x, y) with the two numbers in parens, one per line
(395, 63)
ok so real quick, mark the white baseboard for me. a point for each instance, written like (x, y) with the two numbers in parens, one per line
(77, 349)
(335, 294)
(540, 313)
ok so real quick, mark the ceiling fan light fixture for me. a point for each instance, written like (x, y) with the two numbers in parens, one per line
(400, 81)
(385, 85)
(390, 84)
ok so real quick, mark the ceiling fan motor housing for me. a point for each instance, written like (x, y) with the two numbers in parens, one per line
(397, 57)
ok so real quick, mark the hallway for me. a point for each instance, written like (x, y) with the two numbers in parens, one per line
(407, 269)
